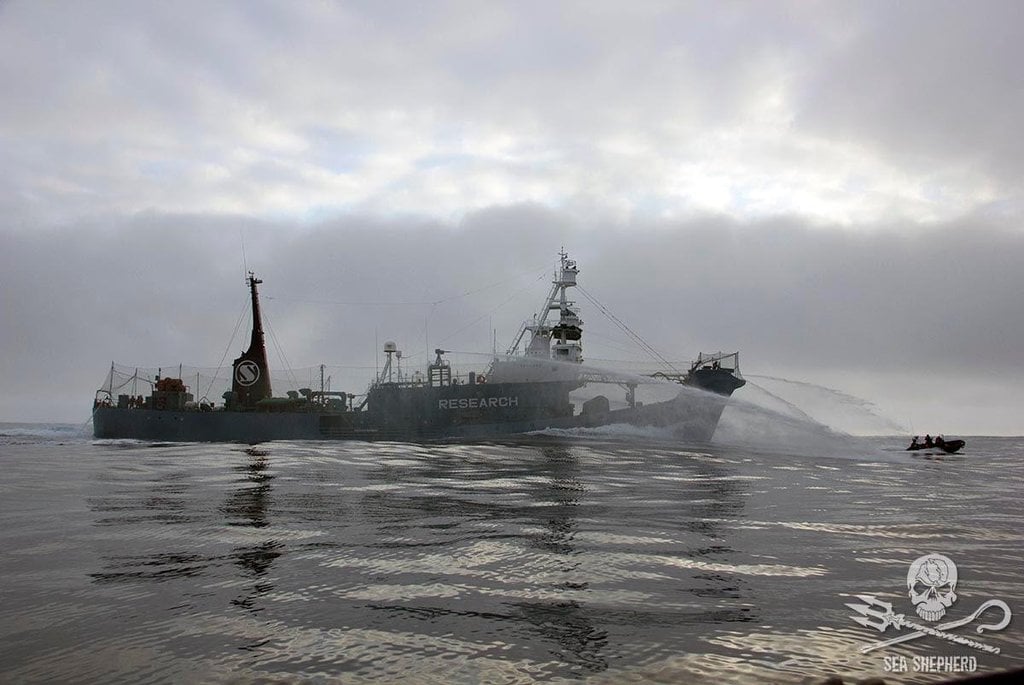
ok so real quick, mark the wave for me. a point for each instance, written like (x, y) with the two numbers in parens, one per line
(44, 431)
(611, 431)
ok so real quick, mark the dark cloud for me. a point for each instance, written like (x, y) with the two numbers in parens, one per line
(802, 302)
(927, 80)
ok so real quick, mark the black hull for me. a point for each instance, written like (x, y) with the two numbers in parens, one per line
(692, 416)
(950, 446)
(525, 396)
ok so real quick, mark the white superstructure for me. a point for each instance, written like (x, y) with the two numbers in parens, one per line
(558, 340)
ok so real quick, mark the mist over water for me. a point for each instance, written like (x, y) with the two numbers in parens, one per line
(786, 416)
(792, 417)
(749, 426)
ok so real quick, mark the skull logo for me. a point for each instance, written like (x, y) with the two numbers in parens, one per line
(931, 582)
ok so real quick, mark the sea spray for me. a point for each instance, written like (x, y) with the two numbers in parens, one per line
(835, 408)
(753, 427)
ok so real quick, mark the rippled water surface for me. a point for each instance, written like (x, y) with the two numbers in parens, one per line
(597, 559)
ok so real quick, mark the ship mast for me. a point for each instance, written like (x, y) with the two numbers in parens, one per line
(559, 340)
(257, 338)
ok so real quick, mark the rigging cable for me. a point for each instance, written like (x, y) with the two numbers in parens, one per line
(404, 303)
(245, 262)
(227, 349)
(801, 414)
(644, 345)
(499, 306)
(280, 354)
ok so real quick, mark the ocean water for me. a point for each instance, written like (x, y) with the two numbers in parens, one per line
(616, 556)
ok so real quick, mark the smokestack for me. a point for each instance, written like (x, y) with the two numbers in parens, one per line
(250, 377)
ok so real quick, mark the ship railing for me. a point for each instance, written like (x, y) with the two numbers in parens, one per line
(727, 361)
(469, 378)
(209, 384)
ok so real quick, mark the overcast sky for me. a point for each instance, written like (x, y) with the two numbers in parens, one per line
(835, 189)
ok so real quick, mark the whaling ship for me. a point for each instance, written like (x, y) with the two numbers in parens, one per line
(516, 394)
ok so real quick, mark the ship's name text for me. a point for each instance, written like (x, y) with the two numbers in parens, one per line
(478, 403)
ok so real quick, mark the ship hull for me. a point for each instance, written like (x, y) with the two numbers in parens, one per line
(485, 413)
(518, 395)
(194, 426)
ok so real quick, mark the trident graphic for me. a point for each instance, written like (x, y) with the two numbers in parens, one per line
(875, 613)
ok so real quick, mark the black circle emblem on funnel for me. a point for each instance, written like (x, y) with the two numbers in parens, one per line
(247, 373)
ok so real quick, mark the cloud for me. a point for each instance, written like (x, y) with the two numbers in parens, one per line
(843, 114)
(878, 309)
(927, 80)
(832, 188)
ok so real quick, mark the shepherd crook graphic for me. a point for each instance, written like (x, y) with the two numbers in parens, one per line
(950, 625)
(889, 618)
